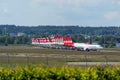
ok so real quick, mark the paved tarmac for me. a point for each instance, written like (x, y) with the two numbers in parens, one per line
(93, 63)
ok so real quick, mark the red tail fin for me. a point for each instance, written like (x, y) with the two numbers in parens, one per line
(68, 41)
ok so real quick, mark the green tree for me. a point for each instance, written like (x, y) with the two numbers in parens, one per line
(17, 41)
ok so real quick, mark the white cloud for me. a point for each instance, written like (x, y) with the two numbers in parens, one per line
(47, 1)
(65, 5)
(5, 10)
(71, 2)
(85, 2)
(60, 11)
(37, 1)
(112, 15)
(116, 2)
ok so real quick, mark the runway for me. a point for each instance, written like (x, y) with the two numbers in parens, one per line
(93, 63)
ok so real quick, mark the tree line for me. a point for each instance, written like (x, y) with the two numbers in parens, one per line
(62, 30)
(6, 40)
(105, 41)
(105, 36)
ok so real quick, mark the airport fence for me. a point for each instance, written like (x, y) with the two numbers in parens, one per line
(58, 59)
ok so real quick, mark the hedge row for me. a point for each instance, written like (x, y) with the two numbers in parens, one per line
(55, 73)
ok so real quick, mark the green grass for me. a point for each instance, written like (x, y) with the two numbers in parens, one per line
(35, 55)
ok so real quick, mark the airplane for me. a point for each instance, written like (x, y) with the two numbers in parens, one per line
(65, 42)
(81, 46)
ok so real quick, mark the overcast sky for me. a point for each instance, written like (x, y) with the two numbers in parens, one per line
(60, 12)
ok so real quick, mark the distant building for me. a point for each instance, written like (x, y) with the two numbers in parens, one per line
(86, 36)
(21, 34)
(118, 45)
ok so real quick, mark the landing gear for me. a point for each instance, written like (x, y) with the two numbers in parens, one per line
(87, 50)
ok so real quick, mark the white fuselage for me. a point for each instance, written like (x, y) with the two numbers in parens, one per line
(87, 46)
(67, 42)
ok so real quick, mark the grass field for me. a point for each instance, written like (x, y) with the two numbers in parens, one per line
(12, 55)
